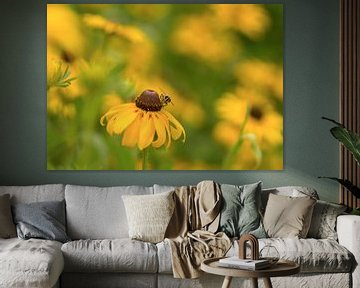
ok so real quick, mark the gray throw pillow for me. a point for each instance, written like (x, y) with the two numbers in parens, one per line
(7, 227)
(240, 210)
(44, 220)
(323, 222)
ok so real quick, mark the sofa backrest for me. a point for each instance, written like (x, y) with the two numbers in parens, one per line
(98, 212)
(36, 193)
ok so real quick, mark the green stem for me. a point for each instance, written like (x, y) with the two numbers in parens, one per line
(144, 159)
(236, 147)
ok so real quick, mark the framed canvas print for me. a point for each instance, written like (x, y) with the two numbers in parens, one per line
(165, 86)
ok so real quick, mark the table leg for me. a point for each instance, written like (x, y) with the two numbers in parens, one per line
(254, 282)
(267, 283)
(227, 282)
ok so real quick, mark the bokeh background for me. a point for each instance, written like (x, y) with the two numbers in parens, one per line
(218, 62)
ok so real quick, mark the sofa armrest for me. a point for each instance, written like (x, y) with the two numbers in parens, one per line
(348, 230)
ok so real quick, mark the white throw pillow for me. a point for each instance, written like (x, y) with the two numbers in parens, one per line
(149, 215)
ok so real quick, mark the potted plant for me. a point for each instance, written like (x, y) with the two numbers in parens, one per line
(351, 141)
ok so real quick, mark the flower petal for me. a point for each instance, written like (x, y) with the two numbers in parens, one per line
(161, 131)
(115, 110)
(176, 128)
(147, 131)
(165, 122)
(131, 134)
(118, 123)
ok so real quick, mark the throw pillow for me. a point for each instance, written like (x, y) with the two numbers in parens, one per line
(7, 227)
(287, 217)
(44, 220)
(240, 210)
(149, 215)
(323, 222)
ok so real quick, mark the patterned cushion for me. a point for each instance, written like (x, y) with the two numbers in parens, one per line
(323, 223)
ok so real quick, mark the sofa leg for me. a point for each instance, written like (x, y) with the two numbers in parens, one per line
(254, 282)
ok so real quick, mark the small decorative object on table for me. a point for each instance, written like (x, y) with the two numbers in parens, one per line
(281, 268)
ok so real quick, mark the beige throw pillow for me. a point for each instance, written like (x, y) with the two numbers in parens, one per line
(288, 217)
(148, 215)
(7, 226)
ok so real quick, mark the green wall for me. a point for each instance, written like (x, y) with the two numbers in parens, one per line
(311, 91)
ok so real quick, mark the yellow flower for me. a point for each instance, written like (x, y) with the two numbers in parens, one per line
(185, 109)
(264, 75)
(130, 33)
(250, 19)
(232, 108)
(64, 30)
(143, 123)
(263, 121)
(199, 36)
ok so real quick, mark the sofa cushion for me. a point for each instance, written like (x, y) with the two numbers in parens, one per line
(117, 255)
(323, 222)
(7, 226)
(98, 213)
(240, 210)
(30, 263)
(313, 255)
(287, 216)
(43, 220)
(149, 215)
(37, 193)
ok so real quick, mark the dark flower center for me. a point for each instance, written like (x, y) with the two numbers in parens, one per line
(148, 100)
(256, 113)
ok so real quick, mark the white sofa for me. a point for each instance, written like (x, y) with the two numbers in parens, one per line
(101, 255)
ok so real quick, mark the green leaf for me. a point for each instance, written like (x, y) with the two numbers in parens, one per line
(347, 184)
(348, 138)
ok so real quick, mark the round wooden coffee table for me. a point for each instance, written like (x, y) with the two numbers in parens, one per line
(281, 268)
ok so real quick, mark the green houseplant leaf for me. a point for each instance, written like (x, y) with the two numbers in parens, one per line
(351, 141)
(347, 184)
(348, 138)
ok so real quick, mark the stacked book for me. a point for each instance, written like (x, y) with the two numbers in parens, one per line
(248, 264)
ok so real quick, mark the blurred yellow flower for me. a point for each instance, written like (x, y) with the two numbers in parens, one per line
(226, 133)
(139, 60)
(232, 108)
(250, 19)
(263, 121)
(143, 123)
(130, 33)
(257, 73)
(64, 32)
(199, 36)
